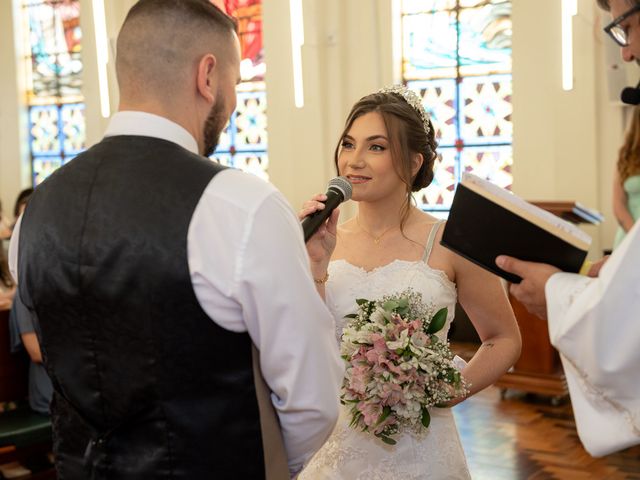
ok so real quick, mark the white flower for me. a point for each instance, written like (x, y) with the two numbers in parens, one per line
(409, 364)
(377, 317)
(411, 410)
(401, 343)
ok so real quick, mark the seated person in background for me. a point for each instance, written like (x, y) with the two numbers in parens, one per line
(7, 285)
(22, 329)
(21, 203)
(5, 227)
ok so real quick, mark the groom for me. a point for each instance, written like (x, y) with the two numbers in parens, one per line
(155, 273)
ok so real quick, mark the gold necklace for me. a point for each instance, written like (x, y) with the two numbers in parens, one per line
(376, 240)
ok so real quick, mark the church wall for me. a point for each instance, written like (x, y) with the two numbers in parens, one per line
(564, 142)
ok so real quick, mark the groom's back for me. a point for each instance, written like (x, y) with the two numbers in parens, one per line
(156, 387)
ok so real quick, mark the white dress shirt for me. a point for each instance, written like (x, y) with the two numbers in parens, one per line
(250, 273)
(595, 324)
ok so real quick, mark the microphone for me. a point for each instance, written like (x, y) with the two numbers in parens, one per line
(631, 95)
(339, 191)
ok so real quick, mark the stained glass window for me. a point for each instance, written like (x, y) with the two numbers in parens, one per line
(456, 54)
(53, 43)
(243, 144)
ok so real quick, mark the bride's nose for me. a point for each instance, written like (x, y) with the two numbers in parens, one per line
(357, 160)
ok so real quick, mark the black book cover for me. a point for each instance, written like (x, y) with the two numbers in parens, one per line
(479, 230)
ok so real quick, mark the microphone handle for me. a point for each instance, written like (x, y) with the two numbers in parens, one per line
(311, 223)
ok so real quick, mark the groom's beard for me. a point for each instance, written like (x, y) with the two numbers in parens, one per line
(213, 127)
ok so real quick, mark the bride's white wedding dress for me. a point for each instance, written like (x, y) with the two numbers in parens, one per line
(350, 454)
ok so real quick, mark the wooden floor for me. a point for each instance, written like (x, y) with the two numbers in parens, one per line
(525, 437)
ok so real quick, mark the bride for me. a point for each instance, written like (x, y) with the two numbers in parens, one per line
(387, 151)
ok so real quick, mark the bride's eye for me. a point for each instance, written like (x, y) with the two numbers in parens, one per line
(378, 148)
(346, 144)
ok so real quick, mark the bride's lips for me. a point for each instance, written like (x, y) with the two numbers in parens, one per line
(358, 179)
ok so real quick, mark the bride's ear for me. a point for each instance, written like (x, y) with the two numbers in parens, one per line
(416, 164)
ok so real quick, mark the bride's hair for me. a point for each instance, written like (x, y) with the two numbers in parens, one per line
(407, 136)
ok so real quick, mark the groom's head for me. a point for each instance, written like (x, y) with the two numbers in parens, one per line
(180, 59)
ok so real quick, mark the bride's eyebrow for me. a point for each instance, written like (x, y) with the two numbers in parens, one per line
(377, 137)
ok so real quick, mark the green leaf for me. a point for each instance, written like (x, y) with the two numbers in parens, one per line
(387, 440)
(351, 315)
(438, 321)
(426, 418)
(361, 301)
(390, 305)
(403, 303)
(386, 411)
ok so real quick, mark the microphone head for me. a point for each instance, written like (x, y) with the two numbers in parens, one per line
(343, 186)
(630, 96)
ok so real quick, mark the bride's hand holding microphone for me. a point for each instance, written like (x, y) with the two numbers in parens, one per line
(319, 217)
(321, 244)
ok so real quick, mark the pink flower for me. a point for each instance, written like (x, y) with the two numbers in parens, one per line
(415, 326)
(420, 339)
(359, 378)
(391, 394)
(390, 420)
(371, 412)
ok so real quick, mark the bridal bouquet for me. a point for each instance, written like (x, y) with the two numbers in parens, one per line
(397, 368)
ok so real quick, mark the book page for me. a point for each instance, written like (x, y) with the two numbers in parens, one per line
(547, 220)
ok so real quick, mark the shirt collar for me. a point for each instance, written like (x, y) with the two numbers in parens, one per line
(149, 125)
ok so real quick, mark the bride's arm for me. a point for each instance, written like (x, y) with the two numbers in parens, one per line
(321, 245)
(485, 301)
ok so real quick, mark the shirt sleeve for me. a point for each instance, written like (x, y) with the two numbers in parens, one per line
(593, 323)
(254, 276)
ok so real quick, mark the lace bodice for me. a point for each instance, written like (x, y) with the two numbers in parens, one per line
(354, 455)
(348, 282)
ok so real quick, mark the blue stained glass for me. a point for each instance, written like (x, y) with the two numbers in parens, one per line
(256, 163)
(439, 99)
(73, 128)
(44, 130)
(53, 36)
(486, 109)
(421, 6)
(429, 45)
(251, 121)
(485, 40)
(228, 135)
(223, 159)
(43, 166)
(457, 56)
(439, 195)
(492, 163)
(479, 3)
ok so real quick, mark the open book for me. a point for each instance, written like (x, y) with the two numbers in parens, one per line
(486, 221)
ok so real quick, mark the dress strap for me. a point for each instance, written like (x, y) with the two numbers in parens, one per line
(430, 240)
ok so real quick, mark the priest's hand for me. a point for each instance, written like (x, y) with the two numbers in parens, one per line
(529, 292)
(594, 271)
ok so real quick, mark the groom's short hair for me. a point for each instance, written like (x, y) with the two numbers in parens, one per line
(160, 40)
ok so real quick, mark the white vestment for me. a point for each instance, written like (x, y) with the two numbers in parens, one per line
(595, 324)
